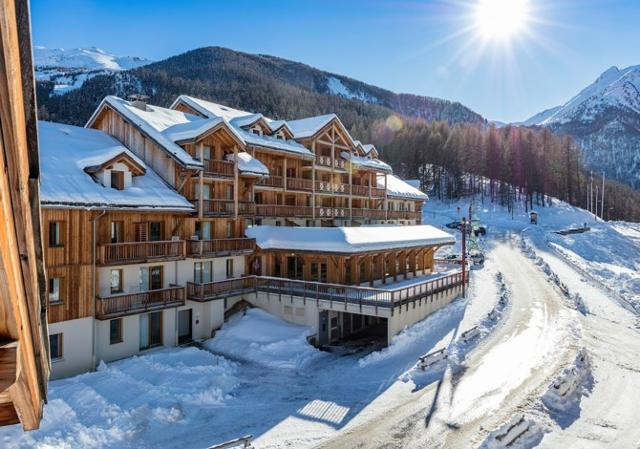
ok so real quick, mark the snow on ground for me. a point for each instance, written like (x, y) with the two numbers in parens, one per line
(261, 338)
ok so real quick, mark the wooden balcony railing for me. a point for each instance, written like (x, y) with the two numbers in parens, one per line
(272, 210)
(332, 212)
(377, 214)
(218, 247)
(360, 190)
(215, 207)
(377, 192)
(132, 303)
(404, 214)
(220, 289)
(271, 181)
(246, 208)
(299, 184)
(220, 168)
(325, 161)
(140, 252)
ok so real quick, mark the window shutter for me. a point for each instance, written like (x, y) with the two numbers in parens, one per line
(141, 232)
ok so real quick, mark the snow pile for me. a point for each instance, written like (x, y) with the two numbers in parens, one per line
(264, 339)
(564, 394)
(573, 299)
(519, 433)
(145, 398)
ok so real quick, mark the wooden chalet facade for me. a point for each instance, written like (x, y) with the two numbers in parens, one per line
(24, 365)
(149, 243)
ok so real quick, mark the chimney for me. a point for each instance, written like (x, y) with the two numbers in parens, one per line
(139, 101)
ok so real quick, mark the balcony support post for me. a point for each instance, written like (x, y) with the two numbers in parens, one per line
(236, 184)
(201, 184)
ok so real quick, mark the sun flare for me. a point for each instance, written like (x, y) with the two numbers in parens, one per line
(501, 19)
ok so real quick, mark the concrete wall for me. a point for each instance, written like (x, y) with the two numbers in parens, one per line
(76, 347)
(410, 314)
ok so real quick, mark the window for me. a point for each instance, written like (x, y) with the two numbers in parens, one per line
(206, 153)
(228, 192)
(115, 331)
(54, 290)
(155, 231)
(229, 229)
(229, 268)
(55, 234)
(155, 278)
(202, 272)
(117, 231)
(116, 281)
(117, 180)
(203, 230)
(55, 346)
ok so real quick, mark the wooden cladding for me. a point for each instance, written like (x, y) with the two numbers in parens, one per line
(132, 303)
(219, 247)
(140, 252)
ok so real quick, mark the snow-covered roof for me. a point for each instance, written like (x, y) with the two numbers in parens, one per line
(248, 165)
(398, 188)
(307, 127)
(347, 240)
(157, 123)
(66, 151)
(360, 161)
(368, 148)
(238, 119)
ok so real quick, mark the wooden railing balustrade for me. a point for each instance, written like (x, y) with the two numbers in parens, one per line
(274, 210)
(299, 184)
(219, 246)
(217, 289)
(217, 167)
(215, 207)
(271, 181)
(137, 252)
(131, 303)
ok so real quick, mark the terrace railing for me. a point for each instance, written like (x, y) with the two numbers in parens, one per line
(139, 252)
(216, 167)
(220, 289)
(217, 247)
(131, 303)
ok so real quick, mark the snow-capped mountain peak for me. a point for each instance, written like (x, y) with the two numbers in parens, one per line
(68, 69)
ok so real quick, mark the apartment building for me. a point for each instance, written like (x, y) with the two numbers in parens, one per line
(151, 217)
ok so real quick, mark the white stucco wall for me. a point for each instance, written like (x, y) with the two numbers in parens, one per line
(76, 347)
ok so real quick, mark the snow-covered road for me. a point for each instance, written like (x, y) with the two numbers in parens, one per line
(509, 371)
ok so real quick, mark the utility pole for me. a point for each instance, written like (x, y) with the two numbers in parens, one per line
(463, 228)
(602, 200)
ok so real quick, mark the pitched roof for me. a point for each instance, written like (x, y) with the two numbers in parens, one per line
(396, 187)
(238, 119)
(365, 162)
(347, 240)
(248, 165)
(66, 151)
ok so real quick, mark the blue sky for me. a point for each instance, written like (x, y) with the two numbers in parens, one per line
(409, 46)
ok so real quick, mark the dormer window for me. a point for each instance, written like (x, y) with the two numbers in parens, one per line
(256, 130)
(117, 179)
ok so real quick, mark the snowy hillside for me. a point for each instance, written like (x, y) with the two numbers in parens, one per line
(68, 69)
(605, 119)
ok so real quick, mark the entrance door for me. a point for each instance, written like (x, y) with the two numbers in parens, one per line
(150, 330)
(184, 326)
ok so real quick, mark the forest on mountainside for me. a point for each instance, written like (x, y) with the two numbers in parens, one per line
(453, 161)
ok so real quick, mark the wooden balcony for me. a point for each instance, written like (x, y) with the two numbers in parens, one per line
(140, 252)
(132, 303)
(246, 208)
(220, 289)
(404, 215)
(332, 212)
(218, 168)
(271, 181)
(215, 208)
(377, 192)
(272, 210)
(325, 161)
(220, 247)
(305, 185)
(360, 190)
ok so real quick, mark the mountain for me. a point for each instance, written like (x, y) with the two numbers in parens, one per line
(604, 118)
(276, 87)
(68, 69)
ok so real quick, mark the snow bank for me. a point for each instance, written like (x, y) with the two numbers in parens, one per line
(130, 401)
(519, 433)
(565, 392)
(261, 338)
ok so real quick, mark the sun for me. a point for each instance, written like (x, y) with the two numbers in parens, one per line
(501, 19)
